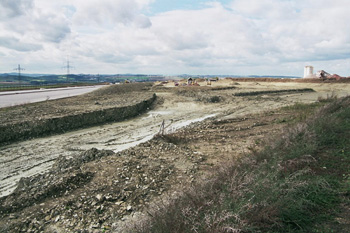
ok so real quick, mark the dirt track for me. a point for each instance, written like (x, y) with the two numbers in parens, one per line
(160, 163)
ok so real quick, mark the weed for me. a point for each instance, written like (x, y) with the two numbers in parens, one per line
(292, 185)
(214, 99)
(329, 98)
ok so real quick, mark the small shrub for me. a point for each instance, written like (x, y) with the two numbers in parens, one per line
(214, 99)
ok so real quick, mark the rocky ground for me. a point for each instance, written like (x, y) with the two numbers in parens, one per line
(98, 190)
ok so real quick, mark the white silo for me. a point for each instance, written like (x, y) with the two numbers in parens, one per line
(308, 71)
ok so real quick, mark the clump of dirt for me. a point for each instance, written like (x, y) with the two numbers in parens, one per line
(64, 175)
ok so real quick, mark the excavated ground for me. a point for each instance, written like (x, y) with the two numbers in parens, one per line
(104, 98)
(110, 104)
(96, 190)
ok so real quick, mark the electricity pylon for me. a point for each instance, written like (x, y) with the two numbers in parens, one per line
(19, 72)
(68, 67)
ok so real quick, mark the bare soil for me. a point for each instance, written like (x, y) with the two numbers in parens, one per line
(107, 97)
(93, 190)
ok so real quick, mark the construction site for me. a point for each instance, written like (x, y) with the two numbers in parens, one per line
(321, 74)
(96, 162)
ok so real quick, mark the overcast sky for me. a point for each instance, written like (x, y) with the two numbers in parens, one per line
(262, 37)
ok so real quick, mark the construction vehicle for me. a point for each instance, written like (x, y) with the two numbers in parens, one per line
(323, 74)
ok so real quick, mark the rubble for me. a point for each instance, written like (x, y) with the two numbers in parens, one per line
(98, 188)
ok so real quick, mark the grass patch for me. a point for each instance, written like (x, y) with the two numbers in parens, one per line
(36, 87)
(293, 185)
(254, 93)
(203, 94)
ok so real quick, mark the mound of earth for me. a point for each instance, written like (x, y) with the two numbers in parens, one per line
(104, 98)
(109, 104)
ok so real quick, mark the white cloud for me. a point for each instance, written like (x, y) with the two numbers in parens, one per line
(301, 30)
(117, 36)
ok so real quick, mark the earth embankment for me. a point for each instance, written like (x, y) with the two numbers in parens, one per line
(113, 103)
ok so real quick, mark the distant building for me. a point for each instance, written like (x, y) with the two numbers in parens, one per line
(308, 72)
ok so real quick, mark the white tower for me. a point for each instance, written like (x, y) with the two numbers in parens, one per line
(308, 71)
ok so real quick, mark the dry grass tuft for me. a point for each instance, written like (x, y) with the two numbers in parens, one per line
(283, 188)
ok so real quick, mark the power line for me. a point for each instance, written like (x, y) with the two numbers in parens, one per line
(19, 72)
(68, 67)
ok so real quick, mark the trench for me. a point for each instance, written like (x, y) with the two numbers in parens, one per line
(31, 157)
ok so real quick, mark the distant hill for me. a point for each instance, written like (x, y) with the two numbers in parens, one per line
(42, 79)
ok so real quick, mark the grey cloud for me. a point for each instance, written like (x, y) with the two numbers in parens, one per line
(15, 44)
(31, 24)
(53, 30)
(142, 21)
(56, 35)
(13, 8)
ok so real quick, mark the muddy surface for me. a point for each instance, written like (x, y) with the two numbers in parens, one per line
(93, 190)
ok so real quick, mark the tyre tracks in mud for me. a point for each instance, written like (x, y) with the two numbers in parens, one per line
(27, 158)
